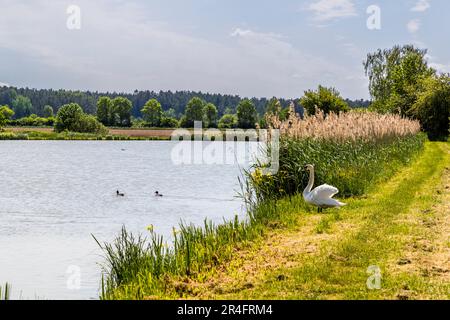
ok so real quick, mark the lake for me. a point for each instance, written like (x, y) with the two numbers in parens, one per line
(55, 194)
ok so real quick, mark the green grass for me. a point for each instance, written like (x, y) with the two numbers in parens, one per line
(383, 227)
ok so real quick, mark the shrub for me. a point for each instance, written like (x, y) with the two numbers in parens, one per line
(169, 122)
(5, 114)
(432, 107)
(32, 121)
(90, 124)
(228, 121)
(72, 118)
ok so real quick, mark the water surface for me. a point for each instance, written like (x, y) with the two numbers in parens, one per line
(55, 194)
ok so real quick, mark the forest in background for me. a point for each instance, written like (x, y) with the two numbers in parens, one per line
(33, 101)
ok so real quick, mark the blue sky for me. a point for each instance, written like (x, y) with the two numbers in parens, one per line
(252, 48)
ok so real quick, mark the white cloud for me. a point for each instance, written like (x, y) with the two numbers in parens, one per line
(121, 47)
(274, 59)
(2, 84)
(421, 6)
(440, 67)
(436, 64)
(326, 10)
(413, 25)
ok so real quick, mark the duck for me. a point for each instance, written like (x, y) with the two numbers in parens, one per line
(322, 196)
(119, 194)
(157, 194)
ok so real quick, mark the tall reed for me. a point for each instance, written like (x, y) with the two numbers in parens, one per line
(137, 267)
(344, 127)
(349, 150)
(5, 291)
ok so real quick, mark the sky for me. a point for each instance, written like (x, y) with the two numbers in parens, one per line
(257, 48)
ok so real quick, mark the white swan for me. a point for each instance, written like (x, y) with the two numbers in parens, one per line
(322, 196)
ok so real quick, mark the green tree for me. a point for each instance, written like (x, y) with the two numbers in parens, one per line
(104, 111)
(432, 107)
(395, 76)
(48, 112)
(89, 124)
(153, 113)
(326, 99)
(69, 117)
(170, 113)
(122, 111)
(22, 106)
(246, 114)
(273, 106)
(210, 113)
(169, 122)
(228, 121)
(5, 114)
(194, 112)
(228, 110)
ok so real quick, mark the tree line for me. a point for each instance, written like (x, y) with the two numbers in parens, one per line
(400, 81)
(26, 101)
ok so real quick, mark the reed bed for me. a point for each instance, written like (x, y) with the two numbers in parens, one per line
(348, 126)
(351, 151)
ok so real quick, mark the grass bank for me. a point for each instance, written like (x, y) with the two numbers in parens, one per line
(400, 229)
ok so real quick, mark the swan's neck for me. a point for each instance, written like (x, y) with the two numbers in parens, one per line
(311, 182)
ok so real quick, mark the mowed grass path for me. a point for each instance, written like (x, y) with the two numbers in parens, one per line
(401, 227)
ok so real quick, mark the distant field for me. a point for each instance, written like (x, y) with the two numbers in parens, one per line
(121, 132)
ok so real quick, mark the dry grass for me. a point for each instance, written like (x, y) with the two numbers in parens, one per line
(155, 133)
(351, 126)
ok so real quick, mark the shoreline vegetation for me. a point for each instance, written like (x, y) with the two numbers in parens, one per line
(147, 267)
(400, 230)
(47, 133)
